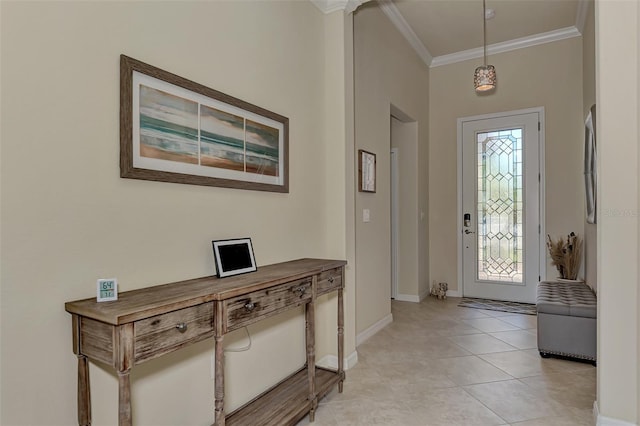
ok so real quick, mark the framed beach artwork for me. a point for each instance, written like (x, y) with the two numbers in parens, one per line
(175, 130)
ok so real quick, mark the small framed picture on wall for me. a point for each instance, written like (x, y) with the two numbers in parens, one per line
(366, 171)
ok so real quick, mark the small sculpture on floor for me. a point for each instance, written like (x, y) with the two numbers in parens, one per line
(439, 290)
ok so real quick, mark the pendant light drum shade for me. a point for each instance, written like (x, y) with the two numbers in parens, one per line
(485, 78)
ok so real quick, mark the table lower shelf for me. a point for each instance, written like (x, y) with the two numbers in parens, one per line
(287, 402)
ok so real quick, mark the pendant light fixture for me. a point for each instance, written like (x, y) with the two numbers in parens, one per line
(484, 79)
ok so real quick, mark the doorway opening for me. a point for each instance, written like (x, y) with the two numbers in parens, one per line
(404, 207)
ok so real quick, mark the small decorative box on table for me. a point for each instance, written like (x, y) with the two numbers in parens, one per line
(147, 323)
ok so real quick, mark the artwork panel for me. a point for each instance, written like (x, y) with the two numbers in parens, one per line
(168, 126)
(262, 149)
(221, 139)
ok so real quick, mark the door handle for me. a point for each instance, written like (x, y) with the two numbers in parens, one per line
(466, 231)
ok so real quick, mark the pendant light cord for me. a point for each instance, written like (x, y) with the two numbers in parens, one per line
(484, 30)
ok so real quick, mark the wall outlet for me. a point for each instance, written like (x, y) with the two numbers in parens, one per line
(366, 215)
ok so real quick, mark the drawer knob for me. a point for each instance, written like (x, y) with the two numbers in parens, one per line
(300, 290)
(182, 327)
(331, 279)
(249, 306)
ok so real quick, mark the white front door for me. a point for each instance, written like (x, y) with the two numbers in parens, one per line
(500, 220)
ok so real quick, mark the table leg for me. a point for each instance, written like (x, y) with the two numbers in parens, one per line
(341, 337)
(124, 398)
(219, 382)
(84, 392)
(124, 362)
(311, 357)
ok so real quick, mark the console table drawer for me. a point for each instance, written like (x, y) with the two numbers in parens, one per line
(167, 332)
(329, 281)
(249, 308)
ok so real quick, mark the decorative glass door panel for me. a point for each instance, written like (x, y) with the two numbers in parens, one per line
(499, 199)
(500, 210)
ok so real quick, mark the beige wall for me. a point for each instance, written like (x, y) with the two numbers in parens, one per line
(618, 97)
(68, 219)
(589, 99)
(388, 72)
(546, 76)
(339, 189)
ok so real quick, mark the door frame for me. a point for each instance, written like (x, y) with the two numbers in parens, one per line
(541, 193)
(395, 228)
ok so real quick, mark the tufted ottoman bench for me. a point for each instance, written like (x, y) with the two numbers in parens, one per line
(566, 320)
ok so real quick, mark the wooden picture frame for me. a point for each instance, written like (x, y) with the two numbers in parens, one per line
(234, 257)
(175, 130)
(366, 171)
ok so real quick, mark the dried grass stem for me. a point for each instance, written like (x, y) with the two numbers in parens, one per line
(566, 255)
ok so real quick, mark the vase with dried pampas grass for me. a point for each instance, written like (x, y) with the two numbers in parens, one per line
(566, 255)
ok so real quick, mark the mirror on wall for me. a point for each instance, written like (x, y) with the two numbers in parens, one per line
(590, 177)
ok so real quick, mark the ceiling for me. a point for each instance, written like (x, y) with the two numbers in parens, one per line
(447, 31)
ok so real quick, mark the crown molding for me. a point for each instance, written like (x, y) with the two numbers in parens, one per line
(507, 46)
(581, 14)
(401, 24)
(394, 15)
(328, 6)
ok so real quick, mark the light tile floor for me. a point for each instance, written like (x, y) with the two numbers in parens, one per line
(440, 364)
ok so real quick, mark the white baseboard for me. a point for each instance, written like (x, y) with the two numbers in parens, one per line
(331, 361)
(425, 294)
(407, 298)
(411, 297)
(366, 334)
(418, 299)
(608, 421)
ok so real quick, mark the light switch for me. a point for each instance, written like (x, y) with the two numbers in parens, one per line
(366, 215)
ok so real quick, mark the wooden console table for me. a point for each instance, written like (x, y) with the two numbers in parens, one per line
(147, 323)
